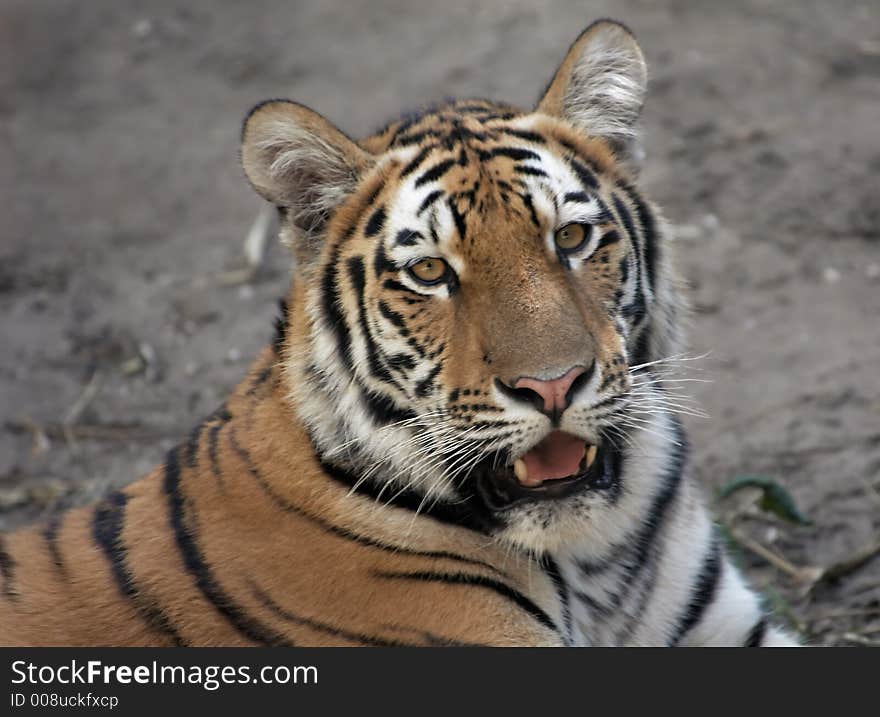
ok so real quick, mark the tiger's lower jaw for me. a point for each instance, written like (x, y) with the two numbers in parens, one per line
(503, 488)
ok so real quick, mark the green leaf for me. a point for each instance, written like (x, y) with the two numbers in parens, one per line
(774, 497)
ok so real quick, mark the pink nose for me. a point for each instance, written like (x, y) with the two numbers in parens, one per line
(553, 392)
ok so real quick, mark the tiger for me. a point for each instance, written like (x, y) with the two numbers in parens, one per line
(462, 432)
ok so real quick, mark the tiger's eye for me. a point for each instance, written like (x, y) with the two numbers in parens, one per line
(572, 237)
(429, 271)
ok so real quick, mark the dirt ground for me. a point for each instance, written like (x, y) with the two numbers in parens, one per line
(124, 319)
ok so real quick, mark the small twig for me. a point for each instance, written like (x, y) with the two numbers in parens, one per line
(857, 639)
(85, 398)
(850, 565)
(235, 277)
(40, 441)
(79, 406)
(807, 575)
(258, 236)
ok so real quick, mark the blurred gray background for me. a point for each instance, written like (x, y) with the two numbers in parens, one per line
(127, 311)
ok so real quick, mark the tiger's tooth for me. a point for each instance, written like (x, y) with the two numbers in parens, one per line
(590, 455)
(520, 470)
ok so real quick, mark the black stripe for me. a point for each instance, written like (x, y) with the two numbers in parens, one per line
(461, 513)
(416, 161)
(191, 455)
(381, 264)
(7, 570)
(623, 269)
(221, 413)
(394, 317)
(375, 222)
(289, 507)
(584, 174)
(324, 627)
(608, 238)
(592, 603)
(426, 385)
(480, 581)
(402, 361)
(371, 640)
(488, 107)
(528, 169)
(358, 278)
(533, 215)
(332, 310)
(407, 237)
(107, 527)
(405, 122)
(371, 197)
(650, 526)
(515, 153)
(213, 436)
(579, 197)
(651, 243)
(281, 322)
(756, 634)
(703, 592)
(637, 309)
(415, 138)
(258, 381)
(198, 567)
(382, 409)
(432, 225)
(221, 416)
(459, 220)
(394, 285)
(641, 352)
(50, 533)
(429, 200)
(523, 134)
(640, 565)
(437, 171)
(626, 218)
(552, 570)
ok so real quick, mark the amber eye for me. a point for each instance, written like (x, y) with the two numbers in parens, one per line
(572, 237)
(429, 271)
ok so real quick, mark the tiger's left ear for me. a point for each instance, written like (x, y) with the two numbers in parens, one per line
(300, 162)
(600, 85)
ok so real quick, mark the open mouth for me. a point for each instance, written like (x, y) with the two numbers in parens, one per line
(557, 467)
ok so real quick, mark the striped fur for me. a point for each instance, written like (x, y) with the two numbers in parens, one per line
(332, 499)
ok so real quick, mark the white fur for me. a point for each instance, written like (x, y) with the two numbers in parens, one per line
(606, 89)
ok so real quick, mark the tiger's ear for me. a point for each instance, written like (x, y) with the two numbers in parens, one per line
(300, 162)
(600, 85)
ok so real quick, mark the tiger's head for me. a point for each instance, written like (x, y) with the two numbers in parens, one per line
(474, 288)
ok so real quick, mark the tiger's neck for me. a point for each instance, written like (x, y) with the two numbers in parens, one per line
(279, 465)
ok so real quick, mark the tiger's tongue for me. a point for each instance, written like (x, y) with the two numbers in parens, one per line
(557, 456)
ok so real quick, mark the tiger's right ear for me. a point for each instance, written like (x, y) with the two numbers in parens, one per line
(600, 86)
(300, 162)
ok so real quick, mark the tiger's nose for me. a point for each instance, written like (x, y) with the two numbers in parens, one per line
(553, 396)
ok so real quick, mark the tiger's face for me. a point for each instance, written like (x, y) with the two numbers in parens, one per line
(475, 284)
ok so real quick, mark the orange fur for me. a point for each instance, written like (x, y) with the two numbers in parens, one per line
(281, 541)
